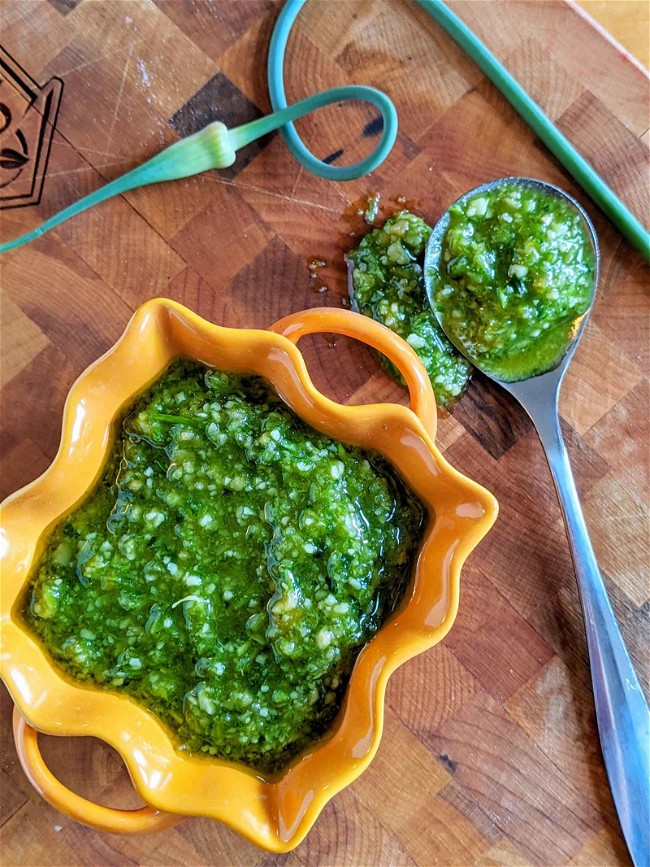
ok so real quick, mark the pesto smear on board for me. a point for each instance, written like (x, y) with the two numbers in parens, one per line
(388, 285)
(516, 274)
(228, 568)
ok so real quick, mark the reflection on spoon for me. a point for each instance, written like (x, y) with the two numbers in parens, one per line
(521, 328)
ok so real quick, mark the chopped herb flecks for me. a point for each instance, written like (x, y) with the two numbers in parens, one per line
(228, 568)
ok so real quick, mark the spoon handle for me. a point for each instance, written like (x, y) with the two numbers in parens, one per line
(621, 709)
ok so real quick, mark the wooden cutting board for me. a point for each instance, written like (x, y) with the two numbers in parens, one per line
(490, 753)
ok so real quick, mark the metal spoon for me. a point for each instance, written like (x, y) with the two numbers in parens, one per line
(621, 709)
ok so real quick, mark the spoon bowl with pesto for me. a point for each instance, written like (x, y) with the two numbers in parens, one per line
(511, 271)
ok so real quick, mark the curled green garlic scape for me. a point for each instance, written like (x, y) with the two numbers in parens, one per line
(215, 146)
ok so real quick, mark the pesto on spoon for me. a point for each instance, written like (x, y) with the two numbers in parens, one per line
(511, 271)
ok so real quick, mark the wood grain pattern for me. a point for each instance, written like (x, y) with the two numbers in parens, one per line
(627, 22)
(490, 754)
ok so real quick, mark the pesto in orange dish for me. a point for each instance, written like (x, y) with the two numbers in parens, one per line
(228, 569)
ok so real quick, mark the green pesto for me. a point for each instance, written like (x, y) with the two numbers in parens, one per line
(228, 568)
(516, 275)
(387, 284)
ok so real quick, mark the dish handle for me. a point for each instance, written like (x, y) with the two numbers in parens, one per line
(333, 320)
(145, 820)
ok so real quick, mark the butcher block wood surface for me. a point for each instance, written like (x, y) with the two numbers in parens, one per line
(490, 753)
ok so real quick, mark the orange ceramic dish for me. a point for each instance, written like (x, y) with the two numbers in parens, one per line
(275, 811)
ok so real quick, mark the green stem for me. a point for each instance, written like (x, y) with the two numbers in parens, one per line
(215, 147)
(555, 141)
(209, 148)
(175, 419)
